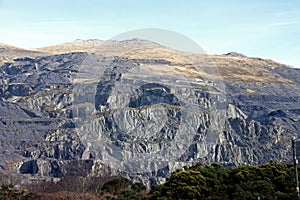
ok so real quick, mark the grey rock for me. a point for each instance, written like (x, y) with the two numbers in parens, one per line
(235, 54)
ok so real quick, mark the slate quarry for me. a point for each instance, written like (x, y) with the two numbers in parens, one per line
(78, 114)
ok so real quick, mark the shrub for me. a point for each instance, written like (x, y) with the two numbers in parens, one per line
(116, 186)
(8, 192)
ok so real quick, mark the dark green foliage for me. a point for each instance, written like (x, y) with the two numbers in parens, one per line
(265, 181)
(116, 186)
(269, 181)
(188, 184)
(132, 195)
(138, 187)
(217, 179)
(8, 192)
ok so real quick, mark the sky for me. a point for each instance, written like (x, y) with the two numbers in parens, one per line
(257, 28)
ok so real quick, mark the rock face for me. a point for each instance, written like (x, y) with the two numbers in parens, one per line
(83, 113)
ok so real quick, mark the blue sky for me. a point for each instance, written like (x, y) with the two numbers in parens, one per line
(266, 28)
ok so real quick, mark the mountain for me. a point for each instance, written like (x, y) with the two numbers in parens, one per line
(140, 109)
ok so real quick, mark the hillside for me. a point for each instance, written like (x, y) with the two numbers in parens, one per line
(231, 68)
(8, 53)
(105, 47)
(135, 107)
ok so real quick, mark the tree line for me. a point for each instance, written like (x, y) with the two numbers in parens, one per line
(212, 181)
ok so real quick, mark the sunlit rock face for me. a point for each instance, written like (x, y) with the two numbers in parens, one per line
(92, 114)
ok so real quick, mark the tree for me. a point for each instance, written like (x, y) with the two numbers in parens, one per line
(188, 184)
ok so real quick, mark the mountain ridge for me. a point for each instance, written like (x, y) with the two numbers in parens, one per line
(92, 43)
(230, 68)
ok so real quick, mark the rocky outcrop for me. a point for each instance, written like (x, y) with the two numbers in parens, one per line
(235, 54)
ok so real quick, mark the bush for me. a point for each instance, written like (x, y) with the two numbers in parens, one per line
(116, 186)
(8, 192)
(138, 187)
(188, 184)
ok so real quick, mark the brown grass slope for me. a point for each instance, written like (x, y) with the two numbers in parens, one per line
(8, 53)
(180, 63)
